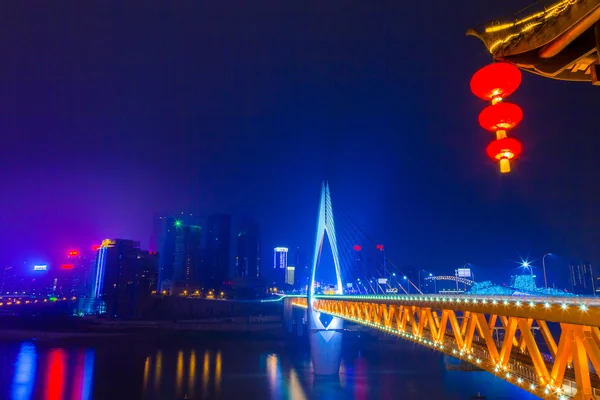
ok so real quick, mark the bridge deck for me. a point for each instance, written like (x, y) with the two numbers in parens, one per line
(463, 327)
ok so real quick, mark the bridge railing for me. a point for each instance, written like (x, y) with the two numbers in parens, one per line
(568, 300)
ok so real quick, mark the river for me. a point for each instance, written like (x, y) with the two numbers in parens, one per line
(231, 369)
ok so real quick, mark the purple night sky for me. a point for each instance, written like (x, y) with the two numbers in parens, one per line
(109, 113)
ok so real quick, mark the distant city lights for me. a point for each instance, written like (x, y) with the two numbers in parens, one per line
(40, 267)
(67, 266)
(73, 253)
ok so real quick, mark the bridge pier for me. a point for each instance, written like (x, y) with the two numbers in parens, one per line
(293, 321)
(325, 336)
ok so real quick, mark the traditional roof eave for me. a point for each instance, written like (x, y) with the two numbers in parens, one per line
(538, 29)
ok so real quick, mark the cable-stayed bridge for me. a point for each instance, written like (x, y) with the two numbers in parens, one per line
(548, 345)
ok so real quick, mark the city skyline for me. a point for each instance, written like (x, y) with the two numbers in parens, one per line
(189, 128)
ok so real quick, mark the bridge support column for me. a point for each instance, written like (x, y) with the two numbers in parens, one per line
(325, 335)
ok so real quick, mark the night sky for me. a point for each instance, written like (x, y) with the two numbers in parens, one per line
(111, 112)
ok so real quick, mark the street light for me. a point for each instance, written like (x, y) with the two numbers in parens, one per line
(544, 268)
(527, 265)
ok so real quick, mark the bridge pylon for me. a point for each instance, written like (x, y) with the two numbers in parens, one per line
(325, 331)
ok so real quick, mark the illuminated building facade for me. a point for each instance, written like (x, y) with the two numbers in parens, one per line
(581, 278)
(247, 258)
(280, 263)
(289, 275)
(187, 257)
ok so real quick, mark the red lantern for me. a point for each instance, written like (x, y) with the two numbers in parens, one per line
(357, 247)
(496, 81)
(504, 150)
(500, 116)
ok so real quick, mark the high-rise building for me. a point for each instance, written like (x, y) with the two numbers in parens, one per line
(180, 255)
(581, 278)
(247, 258)
(117, 273)
(280, 263)
(289, 275)
(69, 278)
(215, 269)
(187, 257)
(146, 273)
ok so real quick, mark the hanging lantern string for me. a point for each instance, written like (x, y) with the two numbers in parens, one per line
(494, 83)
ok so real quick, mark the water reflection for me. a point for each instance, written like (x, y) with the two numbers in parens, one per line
(179, 374)
(192, 374)
(24, 378)
(146, 373)
(295, 387)
(55, 375)
(65, 375)
(88, 375)
(234, 371)
(157, 371)
(205, 372)
(274, 376)
(218, 375)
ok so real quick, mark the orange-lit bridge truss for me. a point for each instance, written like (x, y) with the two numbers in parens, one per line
(558, 365)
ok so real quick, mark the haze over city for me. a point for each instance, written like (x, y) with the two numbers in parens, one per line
(271, 200)
(111, 114)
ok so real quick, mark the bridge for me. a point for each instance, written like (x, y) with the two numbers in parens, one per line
(548, 346)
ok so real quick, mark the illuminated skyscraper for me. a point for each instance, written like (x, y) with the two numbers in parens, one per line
(289, 275)
(179, 252)
(280, 263)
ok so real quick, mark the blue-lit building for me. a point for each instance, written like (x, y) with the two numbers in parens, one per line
(180, 253)
(581, 279)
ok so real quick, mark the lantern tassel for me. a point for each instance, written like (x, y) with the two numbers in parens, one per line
(504, 165)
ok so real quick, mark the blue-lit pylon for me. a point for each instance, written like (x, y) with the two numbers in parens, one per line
(325, 332)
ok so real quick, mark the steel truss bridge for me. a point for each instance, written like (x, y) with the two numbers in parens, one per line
(463, 326)
(549, 346)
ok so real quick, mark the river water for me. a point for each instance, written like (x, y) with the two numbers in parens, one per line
(232, 369)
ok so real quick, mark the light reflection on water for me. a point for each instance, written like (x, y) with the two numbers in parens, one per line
(233, 371)
(53, 375)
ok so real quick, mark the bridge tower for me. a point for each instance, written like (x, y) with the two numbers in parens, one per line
(325, 331)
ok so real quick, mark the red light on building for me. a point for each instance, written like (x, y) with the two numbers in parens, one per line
(380, 247)
(95, 248)
(357, 247)
(73, 253)
(67, 266)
